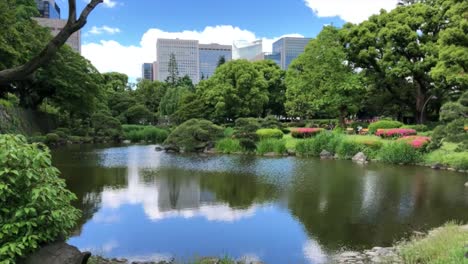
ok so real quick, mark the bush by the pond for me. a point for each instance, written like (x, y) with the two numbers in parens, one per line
(323, 141)
(347, 149)
(266, 133)
(277, 146)
(36, 205)
(383, 124)
(228, 132)
(194, 135)
(228, 146)
(247, 144)
(448, 156)
(397, 152)
(271, 122)
(418, 142)
(246, 128)
(136, 133)
(305, 132)
(52, 138)
(445, 245)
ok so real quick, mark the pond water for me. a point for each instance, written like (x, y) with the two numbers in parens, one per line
(146, 205)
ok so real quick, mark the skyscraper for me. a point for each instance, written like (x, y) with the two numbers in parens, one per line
(288, 49)
(147, 71)
(50, 18)
(247, 50)
(55, 25)
(210, 55)
(48, 9)
(186, 53)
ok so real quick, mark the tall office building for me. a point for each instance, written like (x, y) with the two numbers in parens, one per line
(55, 25)
(186, 53)
(155, 71)
(147, 71)
(209, 57)
(48, 9)
(247, 50)
(288, 49)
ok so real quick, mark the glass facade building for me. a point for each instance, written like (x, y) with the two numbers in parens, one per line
(48, 9)
(209, 58)
(186, 53)
(287, 49)
(247, 50)
(147, 71)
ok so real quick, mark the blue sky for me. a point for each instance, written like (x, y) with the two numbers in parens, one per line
(121, 34)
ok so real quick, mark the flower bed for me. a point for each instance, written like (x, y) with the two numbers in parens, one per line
(395, 132)
(305, 132)
(416, 141)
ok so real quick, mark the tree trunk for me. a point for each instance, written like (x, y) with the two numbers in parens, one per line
(343, 112)
(23, 72)
(420, 105)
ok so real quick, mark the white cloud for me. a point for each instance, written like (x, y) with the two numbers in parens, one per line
(112, 56)
(106, 3)
(354, 11)
(104, 29)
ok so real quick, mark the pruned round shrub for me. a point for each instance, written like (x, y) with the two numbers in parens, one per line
(271, 122)
(52, 138)
(417, 142)
(247, 144)
(296, 124)
(266, 133)
(418, 128)
(399, 152)
(395, 132)
(383, 124)
(277, 146)
(305, 132)
(194, 135)
(35, 203)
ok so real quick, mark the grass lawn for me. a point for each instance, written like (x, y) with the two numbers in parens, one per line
(444, 245)
(446, 155)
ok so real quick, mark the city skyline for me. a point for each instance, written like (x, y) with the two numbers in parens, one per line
(115, 40)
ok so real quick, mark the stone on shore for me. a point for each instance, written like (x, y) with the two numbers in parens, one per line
(326, 155)
(57, 253)
(466, 184)
(360, 158)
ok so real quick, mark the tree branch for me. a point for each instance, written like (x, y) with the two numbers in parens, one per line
(22, 72)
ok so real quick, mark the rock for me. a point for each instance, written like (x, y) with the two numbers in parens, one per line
(360, 158)
(326, 155)
(171, 149)
(466, 184)
(57, 253)
(451, 169)
(437, 166)
(159, 148)
(126, 141)
(270, 154)
(210, 151)
(291, 152)
(349, 254)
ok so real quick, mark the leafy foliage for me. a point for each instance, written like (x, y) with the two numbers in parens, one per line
(398, 152)
(277, 146)
(35, 202)
(266, 133)
(384, 124)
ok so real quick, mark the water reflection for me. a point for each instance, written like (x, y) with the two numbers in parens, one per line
(144, 205)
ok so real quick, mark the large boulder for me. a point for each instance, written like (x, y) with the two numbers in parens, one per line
(360, 158)
(57, 253)
(326, 155)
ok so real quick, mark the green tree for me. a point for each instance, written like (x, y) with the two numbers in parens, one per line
(221, 61)
(274, 76)
(236, 89)
(173, 77)
(320, 80)
(397, 51)
(150, 94)
(172, 100)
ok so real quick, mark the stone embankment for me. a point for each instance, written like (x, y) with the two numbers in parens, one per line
(206, 260)
(374, 255)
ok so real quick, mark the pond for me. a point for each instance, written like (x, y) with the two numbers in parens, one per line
(146, 205)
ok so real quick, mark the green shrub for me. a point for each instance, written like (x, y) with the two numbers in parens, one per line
(228, 132)
(323, 141)
(448, 156)
(383, 124)
(247, 144)
(154, 134)
(106, 126)
(347, 149)
(322, 123)
(397, 152)
(194, 135)
(271, 145)
(270, 122)
(75, 139)
(418, 128)
(37, 139)
(296, 124)
(266, 133)
(228, 146)
(35, 203)
(52, 138)
(247, 124)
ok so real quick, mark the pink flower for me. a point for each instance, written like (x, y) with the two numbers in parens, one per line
(305, 132)
(416, 141)
(395, 132)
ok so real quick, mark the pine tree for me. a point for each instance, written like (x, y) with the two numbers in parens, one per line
(173, 77)
(221, 61)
